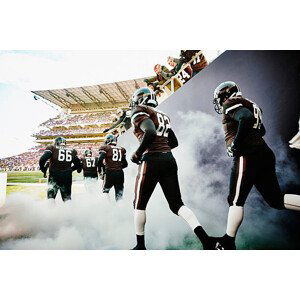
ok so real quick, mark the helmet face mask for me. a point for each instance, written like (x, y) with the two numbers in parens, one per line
(143, 96)
(60, 142)
(223, 92)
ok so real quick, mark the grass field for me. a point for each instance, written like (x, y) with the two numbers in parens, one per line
(25, 177)
(32, 177)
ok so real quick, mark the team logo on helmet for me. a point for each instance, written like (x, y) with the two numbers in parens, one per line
(143, 96)
(110, 139)
(224, 91)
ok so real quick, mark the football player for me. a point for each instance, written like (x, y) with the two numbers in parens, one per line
(113, 158)
(90, 166)
(253, 160)
(62, 162)
(157, 165)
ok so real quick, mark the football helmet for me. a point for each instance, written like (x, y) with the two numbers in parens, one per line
(60, 142)
(143, 96)
(110, 139)
(88, 153)
(224, 91)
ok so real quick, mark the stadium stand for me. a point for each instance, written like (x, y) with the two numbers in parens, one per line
(87, 111)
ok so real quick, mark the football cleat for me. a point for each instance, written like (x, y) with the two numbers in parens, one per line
(137, 247)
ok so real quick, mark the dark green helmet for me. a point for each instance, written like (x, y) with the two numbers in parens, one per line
(224, 91)
(88, 153)
(60, 142)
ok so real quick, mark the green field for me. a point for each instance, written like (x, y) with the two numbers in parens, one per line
(32, 177)
(25, 177)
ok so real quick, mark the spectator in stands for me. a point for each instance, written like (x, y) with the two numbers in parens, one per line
(196, 59)
(176, 64)
(123, 120)
(162, 75)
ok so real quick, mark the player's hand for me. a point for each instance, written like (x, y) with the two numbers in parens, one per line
(135, 158)
(232, 150)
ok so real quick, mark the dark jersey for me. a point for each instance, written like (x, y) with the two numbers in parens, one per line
(89, 166)
(199, 63)
(255, 136)
(61, 158)
(162, 125)
(114, 157)
(185, 74)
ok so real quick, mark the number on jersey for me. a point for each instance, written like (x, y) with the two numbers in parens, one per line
(183, 76)
(90, 162)
(163, 125)
(258, 116)
(117, 154)
(65, 155)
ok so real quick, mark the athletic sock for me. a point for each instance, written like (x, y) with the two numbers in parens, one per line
(292, 202)
(189, 217)
(140, 241)
(235, 218)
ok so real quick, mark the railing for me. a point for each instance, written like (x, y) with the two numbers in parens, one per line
(181, 77)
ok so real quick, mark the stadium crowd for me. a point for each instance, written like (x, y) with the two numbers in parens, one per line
(68, 132)
(28, 161)
(189, 63)
(78, 119)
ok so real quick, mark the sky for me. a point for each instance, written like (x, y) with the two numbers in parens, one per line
(24, 71)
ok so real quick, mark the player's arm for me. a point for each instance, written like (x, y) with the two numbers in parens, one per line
(246, 120)
(121, 119)
(81, 165)
(42, 162)
(124, 161)
(148, 127)
(101, 167)
(172, 139)
(76, 163)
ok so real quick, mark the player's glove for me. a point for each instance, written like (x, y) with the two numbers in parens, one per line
(232, 150)
(44, 171)
(136, 158)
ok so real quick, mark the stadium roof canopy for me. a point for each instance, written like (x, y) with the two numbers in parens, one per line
(92, 98)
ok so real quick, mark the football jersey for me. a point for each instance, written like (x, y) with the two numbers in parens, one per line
(162, 125)
(199, 63)
(61, 158)
(230, 107)
(89, 166)
(185, 75)
(113, 156)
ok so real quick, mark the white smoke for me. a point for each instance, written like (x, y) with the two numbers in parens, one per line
(89, 221)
